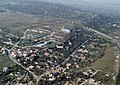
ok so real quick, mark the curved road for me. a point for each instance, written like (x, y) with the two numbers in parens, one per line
(35, 76)
(38, 77)
(114, 41)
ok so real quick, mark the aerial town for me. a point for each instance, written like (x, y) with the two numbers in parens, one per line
(57, 45)
(52, 57)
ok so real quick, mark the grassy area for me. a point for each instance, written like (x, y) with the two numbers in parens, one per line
(16, 22)
(16, 19)
(106, 63)
(5, 61)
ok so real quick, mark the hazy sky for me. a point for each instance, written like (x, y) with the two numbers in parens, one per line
(104, 1)
(93, 1)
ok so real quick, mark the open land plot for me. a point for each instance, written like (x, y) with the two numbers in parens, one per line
(5, 61)
(107, 62)
(16, 22)
(17, 19)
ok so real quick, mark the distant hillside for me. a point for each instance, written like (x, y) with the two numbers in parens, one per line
(53, 10)
(45, 9)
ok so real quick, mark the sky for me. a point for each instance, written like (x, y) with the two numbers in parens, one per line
(104, 1)
(91, 1)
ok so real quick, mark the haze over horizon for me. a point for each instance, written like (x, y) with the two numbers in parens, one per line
(90, 1)
(88, 4)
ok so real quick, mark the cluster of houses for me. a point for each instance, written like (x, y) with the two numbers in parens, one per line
(92, 50)
(85, 77)
(55, 54)
(7, 40)
(15, 75)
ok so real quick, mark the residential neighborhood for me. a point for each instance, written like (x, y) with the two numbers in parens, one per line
(59, 42)
(48, 56)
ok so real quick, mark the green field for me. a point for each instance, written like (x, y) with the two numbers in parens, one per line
(5, 61)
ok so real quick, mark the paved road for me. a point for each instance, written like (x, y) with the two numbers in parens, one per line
(17, 61)
(112, 40)
(102, 34)
(39, 77)
(16, 44)
(67, 59)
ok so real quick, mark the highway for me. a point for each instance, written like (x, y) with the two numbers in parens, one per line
(115, 41)
(106, 36)
(67, 59)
